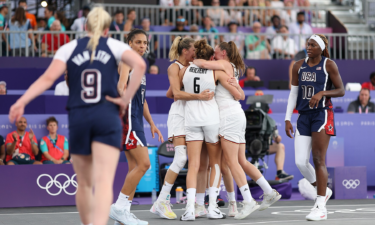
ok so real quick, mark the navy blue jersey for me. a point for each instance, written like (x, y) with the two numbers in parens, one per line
(89, 83)
(312, 80)
(136, 106)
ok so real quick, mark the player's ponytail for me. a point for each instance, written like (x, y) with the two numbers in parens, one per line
(325, 52)
(233, 55)
(203, 50)
(178, 45)
(97, 21)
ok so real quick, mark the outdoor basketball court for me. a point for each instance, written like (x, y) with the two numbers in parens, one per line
(340, 212)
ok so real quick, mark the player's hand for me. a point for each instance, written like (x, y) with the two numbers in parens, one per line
(314, 101)
(206, 95)
(154, 130)
(31, 134)
(120, 102)
(233, 81)
(16, 111)
(289, 129)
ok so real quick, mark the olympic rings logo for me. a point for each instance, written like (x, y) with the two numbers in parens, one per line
(58, 184)
(351, 184)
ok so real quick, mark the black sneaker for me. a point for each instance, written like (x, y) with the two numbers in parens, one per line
(284, 176)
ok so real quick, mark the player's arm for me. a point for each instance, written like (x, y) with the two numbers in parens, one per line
(169, 93)
(233, 81)
(215, 65)
(334, 75)
(148, 117)
(124, 76)
(223, 79)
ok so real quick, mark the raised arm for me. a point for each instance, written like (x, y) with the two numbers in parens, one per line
(215, 65)
(124, 76)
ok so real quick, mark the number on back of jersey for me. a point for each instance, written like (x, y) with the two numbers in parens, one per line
(91, 81)
(197, 87)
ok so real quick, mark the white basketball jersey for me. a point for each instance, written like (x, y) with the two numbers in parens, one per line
(197, 112)
(178, 107)
(225, 100)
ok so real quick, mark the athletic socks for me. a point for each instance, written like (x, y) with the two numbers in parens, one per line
(320, 200)
(165, 191)
(264, 185)
(231, 196)
(190, 194)
(207, 191)
(212, 196)
(200, 198)
(245, 192)
(123, 201)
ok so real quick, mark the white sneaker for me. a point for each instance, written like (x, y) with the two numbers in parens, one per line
(269, 199)
(122, 216)
(232, 209)
(215, 213)
(163, 209)
(140, 222)
(317, 213)
(248, 208)
(189, 214)
(200, 210)
(328, 194)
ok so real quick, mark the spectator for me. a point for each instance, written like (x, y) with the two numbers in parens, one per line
(250, 75)
(118, 24)
(62, 88)
(167, 3)
(301, 31)
(41, 25)
(274, 28)
(371, 84)
(153, 39)
(216, 13)
(180, 26)
(194, 28)
(283, 46)
(79, 23)
(237, 37)
(55, 147)
(257, 45)
(2, 151)
(279, 4)
(3, 26)
(154, 69)
(208, 28)
(362, 104)
(59, 15)
(288, 16)
(18, 41)
(196, 15)
(49, 13)
(21, 146)
(233, 14)
(29, 16)
(268, 14)
(173, 13)
(131, 16)
(254, 14)
(3, 88)
(52, 42)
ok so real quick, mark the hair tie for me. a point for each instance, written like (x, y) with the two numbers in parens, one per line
(319, 40)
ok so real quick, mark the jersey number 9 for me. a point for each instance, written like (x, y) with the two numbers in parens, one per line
(91, 81)
(196, 86)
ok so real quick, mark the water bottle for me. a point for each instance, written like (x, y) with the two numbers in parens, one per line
(179, 193)
(153, 195)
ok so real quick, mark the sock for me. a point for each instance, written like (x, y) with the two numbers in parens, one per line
(86, 224)
(245, 191)
(279, 172)
(207, 191)
(232, 196)
(128, 205)
(190, 194)
(122, 200)
(320, 200)
(213, 191)
(200, 198)
(165, 191)
(264, 185)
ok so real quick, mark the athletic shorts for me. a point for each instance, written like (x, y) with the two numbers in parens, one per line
(134, 139)
(176, 126)
(98, 122)
(233, 127)
(315, 122)
(209, 134)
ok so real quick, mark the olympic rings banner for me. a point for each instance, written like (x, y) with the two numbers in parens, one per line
(45, 185)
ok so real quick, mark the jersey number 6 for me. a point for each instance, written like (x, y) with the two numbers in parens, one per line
(196, 86)
(91, 82)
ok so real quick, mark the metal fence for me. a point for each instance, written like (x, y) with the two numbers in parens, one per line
(341, 46)
(316, 15)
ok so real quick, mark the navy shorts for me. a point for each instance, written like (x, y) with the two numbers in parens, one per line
(100, 122)
(315, 122)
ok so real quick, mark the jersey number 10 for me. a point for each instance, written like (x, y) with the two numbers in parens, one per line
(307, 91)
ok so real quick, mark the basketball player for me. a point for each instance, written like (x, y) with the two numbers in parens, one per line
(232, 131)
(94, 122)
(181, 52)
(134, 139)
(312, 79)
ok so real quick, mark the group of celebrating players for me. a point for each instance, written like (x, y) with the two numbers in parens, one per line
(206, 122)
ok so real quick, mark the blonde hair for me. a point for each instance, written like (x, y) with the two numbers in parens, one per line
(97, 21)
(178, 45)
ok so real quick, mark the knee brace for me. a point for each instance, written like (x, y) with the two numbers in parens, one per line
(180, 158)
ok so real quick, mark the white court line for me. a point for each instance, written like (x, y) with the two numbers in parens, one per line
(288, 221)
(277, 207)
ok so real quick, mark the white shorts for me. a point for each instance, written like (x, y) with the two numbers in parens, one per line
(209, 133)
(176, 126)
(233, 128)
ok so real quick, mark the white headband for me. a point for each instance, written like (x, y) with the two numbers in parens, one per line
(319, 41)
